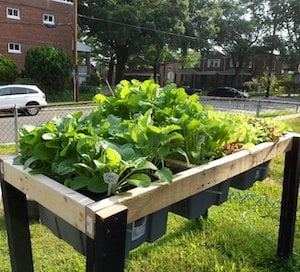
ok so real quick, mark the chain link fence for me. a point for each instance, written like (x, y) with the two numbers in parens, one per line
(252, 106)
(11, 122)
(12, 119)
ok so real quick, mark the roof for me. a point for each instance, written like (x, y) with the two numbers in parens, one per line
(193, 71)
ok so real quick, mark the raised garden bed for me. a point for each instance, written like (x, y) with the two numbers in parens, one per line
(104, 222)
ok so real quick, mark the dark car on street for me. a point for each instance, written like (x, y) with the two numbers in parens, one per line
(228, 92)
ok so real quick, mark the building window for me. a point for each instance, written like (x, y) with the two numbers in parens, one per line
(213, 63)
(12, 13)
(48, 19)
(232, 64)
(14, 48)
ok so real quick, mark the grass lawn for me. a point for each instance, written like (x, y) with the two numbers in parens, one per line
(240, 235)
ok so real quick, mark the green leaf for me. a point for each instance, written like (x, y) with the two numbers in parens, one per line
(49, 136)
(18, 160)
(113, 156)
(99, 165)
(83, 166)
(97, 185)
(145, 120)
(114, 120)
(29, 161)
(63, 168)
(41, 152)
(139, 180)
(154, 129)
(143, 165)
(99, 98)
(127, 153)
(79, 182)
(164, 175)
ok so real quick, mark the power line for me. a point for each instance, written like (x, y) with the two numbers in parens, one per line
(138, 27)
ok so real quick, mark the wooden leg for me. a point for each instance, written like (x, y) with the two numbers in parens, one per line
(90, 255)
(106, 252)
(290, 193)
(17, 225)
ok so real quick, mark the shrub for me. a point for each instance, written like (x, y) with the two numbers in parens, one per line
(50, 67)
(8, 70)
(285, 84)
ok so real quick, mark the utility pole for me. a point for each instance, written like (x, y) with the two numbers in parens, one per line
(272, 51)
(75, 69)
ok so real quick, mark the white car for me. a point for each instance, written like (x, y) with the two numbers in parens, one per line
(27, 98)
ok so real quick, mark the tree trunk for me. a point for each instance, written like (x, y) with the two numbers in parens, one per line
(122, 57)
(111, 70)
(236, 77)
(155, 70)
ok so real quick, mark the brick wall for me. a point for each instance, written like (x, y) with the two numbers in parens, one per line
(30, 31)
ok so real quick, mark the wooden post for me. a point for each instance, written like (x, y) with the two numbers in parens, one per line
(106, 252)
(290, 193)
(17, 226)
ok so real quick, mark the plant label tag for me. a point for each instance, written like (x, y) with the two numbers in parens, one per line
(138, 228)
(110, 179)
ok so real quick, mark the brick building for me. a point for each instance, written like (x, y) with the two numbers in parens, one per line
(216, 69)
(31, 23)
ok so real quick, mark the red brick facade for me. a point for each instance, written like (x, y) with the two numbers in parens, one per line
(22, 26)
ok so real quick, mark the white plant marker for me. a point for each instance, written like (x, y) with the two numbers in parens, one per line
(110, 179)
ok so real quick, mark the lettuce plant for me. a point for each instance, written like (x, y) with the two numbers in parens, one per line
(125, 141)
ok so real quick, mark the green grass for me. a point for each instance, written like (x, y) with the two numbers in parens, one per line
(238, 236)
(276, 113)
(8, 149)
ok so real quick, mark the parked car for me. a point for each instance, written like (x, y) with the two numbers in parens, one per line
(189, 90)
(21, 96)
(228, 92)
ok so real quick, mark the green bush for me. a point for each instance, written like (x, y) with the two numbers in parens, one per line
(50, 67)
(8, 70)
(285, 84)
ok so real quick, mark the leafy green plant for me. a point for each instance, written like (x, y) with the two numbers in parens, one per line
(130, 135)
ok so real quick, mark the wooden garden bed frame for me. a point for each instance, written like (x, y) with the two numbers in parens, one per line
(104, 222)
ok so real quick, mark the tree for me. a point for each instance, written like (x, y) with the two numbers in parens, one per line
(193, 26)
(110, 22)
(130, 27)
(148, 29)
(289, 23)
(50, 67)
(8, 70)
(239, 35)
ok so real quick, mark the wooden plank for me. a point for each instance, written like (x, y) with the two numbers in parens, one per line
(289, 201)
(143, 201)
(63, 201)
